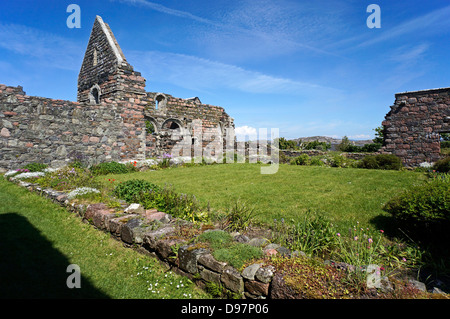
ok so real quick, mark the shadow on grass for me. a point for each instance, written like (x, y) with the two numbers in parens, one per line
(30, 267)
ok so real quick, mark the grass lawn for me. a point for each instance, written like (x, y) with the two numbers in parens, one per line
(346, 195)
(40, 240)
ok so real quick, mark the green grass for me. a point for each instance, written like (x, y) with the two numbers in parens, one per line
(345, 195)
(40, 240)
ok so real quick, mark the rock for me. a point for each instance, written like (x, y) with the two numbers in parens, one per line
(265, 274)
(5, 132)
(250, 271)
(210, 276)
(208, 261)
(158, 216)
(283, 251)
(270, 252)
(257, 288)
(272, 246)
(128, 230)
(151, 238)
(164, 248)
(116, 224)
(373, 279)
(232, 280)
(135, 209)
(258, 242)
(241, 238)
(280, 290)
(297, 253)
(188, 257)
(417, 284)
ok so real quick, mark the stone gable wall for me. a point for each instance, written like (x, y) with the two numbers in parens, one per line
(413, 125)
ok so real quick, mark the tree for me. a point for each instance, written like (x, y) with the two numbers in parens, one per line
(379, 135)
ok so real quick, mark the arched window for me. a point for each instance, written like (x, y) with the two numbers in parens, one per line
(160, 101)
(94, 94)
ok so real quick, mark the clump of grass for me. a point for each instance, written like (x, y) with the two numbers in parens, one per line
(226, 250)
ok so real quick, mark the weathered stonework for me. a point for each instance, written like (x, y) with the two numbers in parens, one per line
(413, 126)
(108, 121)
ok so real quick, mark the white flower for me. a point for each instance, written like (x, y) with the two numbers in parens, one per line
(28, 175)
(10, 173)
(82, 191)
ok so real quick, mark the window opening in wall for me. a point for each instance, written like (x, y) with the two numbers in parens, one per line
(96, 95)
(445, 143)
(159, 101)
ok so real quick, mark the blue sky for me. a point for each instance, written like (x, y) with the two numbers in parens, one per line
(305, 67)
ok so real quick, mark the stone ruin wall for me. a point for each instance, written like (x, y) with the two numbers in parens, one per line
(107, 123)
(162, 110)
(413, 126)
(36, 129)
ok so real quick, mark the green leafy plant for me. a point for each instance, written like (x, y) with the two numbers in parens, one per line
(225, 249)
(239, 216)
(424, 208)
(35, 167)
(68, 178)
(442, 165)
(112, 168)
(314, 234)
(300, 160)
(381, 161)
(132, 191)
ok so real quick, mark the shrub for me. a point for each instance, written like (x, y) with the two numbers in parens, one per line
(370, 148)
(442, 165)
(425, 203)
(300, 160)
(316, 145)
(425, 209)
(35, 167)
(381, 161)
(112, 168)
(315, 161)
(132, 191)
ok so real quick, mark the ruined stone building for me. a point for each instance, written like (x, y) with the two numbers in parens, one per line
(114, 118)
(413, 126)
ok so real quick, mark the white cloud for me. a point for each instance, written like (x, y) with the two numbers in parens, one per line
(360, 137)
(49, 49)
(245, 130)
(200, 74)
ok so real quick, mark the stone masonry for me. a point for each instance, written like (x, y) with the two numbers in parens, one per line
(413, 126)
(114, 118)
